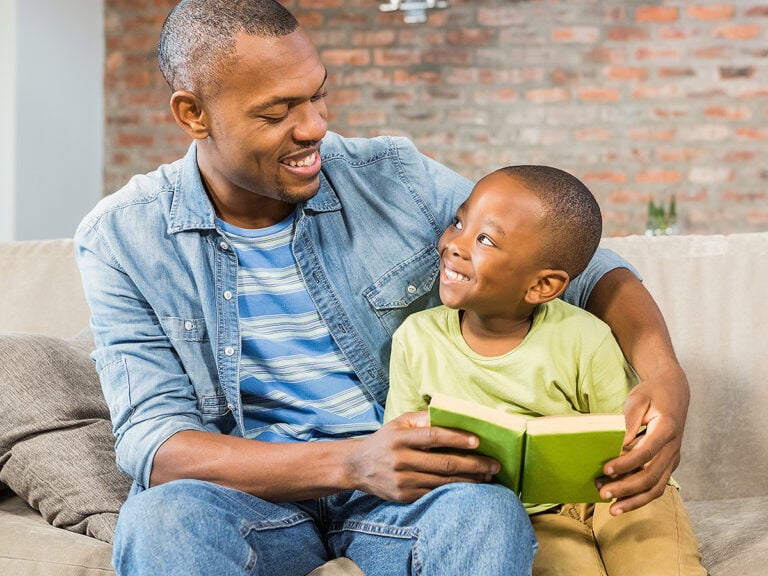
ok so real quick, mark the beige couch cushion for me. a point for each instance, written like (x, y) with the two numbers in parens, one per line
(29, 546)
(42, 292)
(711, 290)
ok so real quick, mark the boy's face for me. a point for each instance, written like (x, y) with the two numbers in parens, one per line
(490, 254)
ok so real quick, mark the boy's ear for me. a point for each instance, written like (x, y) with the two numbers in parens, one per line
(548, 285)
(188, 112)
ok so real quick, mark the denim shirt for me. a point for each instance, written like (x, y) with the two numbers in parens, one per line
(161, 282)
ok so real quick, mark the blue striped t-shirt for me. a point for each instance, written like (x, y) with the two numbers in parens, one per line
(295, 384)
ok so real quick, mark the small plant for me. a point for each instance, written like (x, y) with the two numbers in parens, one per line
(661, 220)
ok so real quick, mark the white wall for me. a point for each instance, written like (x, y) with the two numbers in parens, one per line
(7, 119)
(57, 81)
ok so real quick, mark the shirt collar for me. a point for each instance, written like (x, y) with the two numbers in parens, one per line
(191, 208)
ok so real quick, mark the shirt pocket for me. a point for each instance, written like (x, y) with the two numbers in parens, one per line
(401, 290)
(190, 340)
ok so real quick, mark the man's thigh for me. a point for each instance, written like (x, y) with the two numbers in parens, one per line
(189, 527)
(456, 529)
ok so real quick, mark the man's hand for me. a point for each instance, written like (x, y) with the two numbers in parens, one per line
(641, 473)
(399, 463)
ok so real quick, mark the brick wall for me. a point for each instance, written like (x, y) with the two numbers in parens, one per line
(640, 99)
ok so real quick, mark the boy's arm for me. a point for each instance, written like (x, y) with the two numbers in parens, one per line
(659, 401)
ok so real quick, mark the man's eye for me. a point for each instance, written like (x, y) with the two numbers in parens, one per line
(320, 96)
(483, 239)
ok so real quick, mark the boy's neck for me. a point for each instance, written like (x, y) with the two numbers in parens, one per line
(493, 336)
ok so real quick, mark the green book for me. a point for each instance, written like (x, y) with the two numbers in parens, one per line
(549, 459)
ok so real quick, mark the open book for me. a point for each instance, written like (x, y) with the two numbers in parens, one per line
(549, 459)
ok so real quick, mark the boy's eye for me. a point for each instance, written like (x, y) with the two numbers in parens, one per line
(457, 224)
(483, 239)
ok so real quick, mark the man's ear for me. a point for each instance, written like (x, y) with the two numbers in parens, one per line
(188, 112)
(547, 285)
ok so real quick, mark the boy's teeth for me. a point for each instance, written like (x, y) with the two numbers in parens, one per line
(453, 275)
(308, 161)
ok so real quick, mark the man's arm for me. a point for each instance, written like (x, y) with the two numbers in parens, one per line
(395, 463)
(659, 401)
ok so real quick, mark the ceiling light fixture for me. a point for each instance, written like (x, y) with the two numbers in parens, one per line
(415, 11)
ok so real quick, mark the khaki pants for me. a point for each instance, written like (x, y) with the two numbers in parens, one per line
(585, 540)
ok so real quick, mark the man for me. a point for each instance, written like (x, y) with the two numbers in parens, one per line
(223, 348)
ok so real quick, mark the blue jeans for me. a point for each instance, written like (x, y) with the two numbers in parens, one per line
(191, 527)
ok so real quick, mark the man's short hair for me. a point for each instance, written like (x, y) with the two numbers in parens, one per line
(572, 223)
(197, 41)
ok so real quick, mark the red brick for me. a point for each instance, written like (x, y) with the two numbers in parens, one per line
(576, 34)
(472, 37)
(757, 12)
(374, 38)
(685, 155)
(131, 140)
(658, 176)
(742, 32)
(599, 94)
(714, 12)
(604, 176)
(628, 34)
(344, 97)
(594, 134)
(396, 57)
(656, 14)
(760, 134)
(503, 16)
(351, 57)
(652, 134)
(548, 95)
(626, 73)
(728, 112)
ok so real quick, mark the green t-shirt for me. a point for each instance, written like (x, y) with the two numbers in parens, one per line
(568, 362)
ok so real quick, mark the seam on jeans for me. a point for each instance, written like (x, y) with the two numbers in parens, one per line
(375, 529)
(263, 525)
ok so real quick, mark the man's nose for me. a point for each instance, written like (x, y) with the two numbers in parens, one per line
(313, 122)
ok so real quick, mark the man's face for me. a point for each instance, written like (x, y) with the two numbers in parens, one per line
(265, 124)
(489, 255)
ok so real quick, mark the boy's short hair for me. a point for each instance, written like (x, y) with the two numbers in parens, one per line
(197, 41)
(572, 223)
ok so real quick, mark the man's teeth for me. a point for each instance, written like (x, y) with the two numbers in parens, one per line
(308, 161)
(453, 275)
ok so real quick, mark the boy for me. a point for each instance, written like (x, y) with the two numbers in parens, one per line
(504, 339)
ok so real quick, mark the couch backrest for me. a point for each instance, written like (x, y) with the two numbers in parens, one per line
(712, 291)
(41, 290)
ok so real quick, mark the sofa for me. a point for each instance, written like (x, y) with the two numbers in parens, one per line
(60, 491)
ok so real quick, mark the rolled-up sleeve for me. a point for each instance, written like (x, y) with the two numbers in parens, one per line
(602, 262)
(149, 394)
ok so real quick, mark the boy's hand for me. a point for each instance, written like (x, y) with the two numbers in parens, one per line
(399, 463)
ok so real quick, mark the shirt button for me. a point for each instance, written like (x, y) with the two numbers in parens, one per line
(188, 325)
(411, 289)
(224, 246)
(227, 295)
(229, 351)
